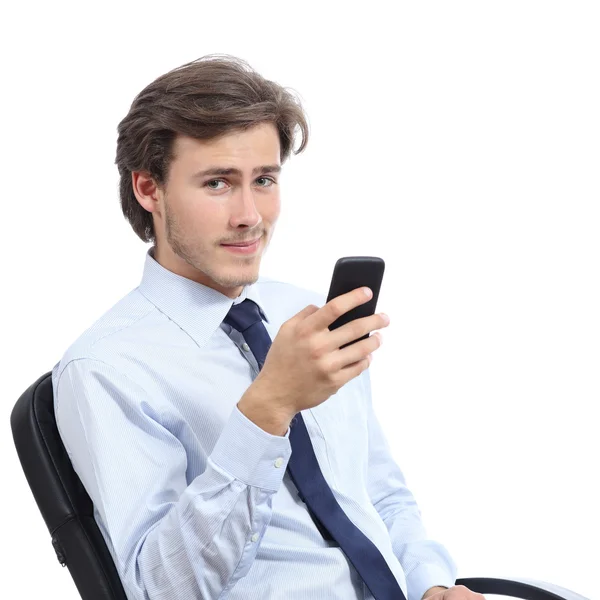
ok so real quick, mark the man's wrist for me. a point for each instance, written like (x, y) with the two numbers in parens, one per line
(434, 590)
(262, 413)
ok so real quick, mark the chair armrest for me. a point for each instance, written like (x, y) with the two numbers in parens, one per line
(527, 589)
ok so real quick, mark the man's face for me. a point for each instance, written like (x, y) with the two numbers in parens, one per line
(197, 213)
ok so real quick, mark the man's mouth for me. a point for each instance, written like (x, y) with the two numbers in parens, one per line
(243, 244)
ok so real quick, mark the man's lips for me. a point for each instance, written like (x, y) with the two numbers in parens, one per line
(243, 243)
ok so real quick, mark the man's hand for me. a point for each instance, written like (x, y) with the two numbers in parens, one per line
(457, 592)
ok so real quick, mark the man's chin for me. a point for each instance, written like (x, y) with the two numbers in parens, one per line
(237, 275)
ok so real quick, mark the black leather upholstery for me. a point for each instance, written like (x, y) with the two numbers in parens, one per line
(60, 495)
(68, 510)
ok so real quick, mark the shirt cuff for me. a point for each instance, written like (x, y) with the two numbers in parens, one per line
(251, 454)
(426, 576)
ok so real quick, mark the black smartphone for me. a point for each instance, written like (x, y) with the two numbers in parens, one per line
(349, 273)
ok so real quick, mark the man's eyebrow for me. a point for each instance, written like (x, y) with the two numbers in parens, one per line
(233, 171)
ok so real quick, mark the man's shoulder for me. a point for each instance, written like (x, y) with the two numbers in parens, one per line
(97, 341)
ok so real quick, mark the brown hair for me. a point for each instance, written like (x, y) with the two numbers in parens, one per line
(204, 99)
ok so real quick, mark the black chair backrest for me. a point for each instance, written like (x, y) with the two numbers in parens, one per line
(63, 501)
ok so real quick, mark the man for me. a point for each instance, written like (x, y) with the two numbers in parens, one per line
(185, 437)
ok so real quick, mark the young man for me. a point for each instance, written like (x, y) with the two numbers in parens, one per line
(185, 433)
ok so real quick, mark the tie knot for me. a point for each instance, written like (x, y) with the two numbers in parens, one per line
(243, 315)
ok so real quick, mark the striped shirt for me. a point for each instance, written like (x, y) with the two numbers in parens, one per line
(192, 497)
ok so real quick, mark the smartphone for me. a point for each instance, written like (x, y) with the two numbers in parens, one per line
(349, 273)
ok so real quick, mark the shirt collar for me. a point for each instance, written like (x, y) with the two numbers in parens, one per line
(198, 309)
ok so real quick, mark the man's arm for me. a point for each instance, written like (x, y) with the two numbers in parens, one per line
(168, 539)
(426, 563)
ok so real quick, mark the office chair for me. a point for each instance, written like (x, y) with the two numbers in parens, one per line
(68, 510)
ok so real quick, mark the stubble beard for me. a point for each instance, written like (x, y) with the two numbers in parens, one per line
(221, 269)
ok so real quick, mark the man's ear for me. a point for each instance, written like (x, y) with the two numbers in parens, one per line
(146, 190)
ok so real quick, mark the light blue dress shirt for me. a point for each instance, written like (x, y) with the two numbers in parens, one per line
(192, 497)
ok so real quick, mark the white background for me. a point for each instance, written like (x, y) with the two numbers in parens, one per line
(459, 141)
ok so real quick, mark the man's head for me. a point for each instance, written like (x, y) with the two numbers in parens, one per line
(212, 113)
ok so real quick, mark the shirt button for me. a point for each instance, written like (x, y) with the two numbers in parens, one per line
(246, 347)
(279, 462)
(255, 537)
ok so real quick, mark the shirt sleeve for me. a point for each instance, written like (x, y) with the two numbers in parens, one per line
(168, 539)
(426, 563)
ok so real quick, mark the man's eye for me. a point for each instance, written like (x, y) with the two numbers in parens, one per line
(267, 179)
(214, 181)
(207, 184)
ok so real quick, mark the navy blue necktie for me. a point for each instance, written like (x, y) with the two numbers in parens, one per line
(306, 474)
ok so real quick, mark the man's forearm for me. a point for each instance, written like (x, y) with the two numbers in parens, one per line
(262, 412)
